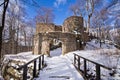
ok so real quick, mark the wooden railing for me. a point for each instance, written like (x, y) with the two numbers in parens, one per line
(34, 61)
(77, 63)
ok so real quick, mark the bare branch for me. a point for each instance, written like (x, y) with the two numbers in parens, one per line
(2, 3)
(45, 15)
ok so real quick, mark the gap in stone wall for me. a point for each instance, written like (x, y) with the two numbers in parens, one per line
(55, 47)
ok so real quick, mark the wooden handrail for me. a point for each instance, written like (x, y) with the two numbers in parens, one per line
(29, 62)
(94, 62)
(25, 66)
(85, 60)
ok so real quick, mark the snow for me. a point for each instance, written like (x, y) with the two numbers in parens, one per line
(107, 57)
(58, 68)
(24, 56)
(95, 44)
(56, 52)
(101, 56)
(61, 67)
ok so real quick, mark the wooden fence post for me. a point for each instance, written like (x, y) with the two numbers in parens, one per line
(40, 63)
(98, 72)
(79, 63)
(75, 60)
(85, 68)
(25, 72)
(34, 69)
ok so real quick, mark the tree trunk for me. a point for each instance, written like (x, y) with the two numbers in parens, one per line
(88, 23)
(16, 51)
(88, 27)
(25, 38)
(2, 27)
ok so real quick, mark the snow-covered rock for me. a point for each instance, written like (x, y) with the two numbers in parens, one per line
(11, 63)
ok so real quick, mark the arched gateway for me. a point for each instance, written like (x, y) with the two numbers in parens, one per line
(43, 40)
(45, 33)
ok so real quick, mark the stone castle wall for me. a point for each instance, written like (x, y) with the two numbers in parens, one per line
(42, 28)
(47, 27)
(46, 32)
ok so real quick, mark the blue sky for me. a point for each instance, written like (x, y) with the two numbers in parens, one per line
(60, 7)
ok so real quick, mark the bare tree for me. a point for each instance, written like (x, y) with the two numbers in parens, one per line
(24, 33)
(30, 34)
(45, 15)
(5, 5)
(98, 22)
(90, 7)
(78, 8)
(26, 36)
(82, 7)
(113, 2)
(11, 20)
(75, 9)
(117, 30)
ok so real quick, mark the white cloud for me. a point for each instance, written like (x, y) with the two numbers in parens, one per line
(59, 2)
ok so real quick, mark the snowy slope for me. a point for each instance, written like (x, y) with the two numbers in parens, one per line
(107, 57)
(24, 56)
(94, 44)
(58, 68)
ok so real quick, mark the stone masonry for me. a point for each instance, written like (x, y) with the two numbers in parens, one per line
(45, 33)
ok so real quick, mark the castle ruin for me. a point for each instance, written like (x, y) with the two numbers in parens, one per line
(67, 34)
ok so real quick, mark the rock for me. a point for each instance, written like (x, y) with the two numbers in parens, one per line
(10, 70)
(13, 72)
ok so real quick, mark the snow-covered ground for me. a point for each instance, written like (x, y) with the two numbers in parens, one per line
(61, 67)
(94, 44)
(108, 57)
(24, 56)
(56, 52)
(58, 68)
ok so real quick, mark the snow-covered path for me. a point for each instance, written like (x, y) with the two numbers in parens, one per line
(59, 68)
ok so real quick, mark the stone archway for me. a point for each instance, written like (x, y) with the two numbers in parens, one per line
(67, 39)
